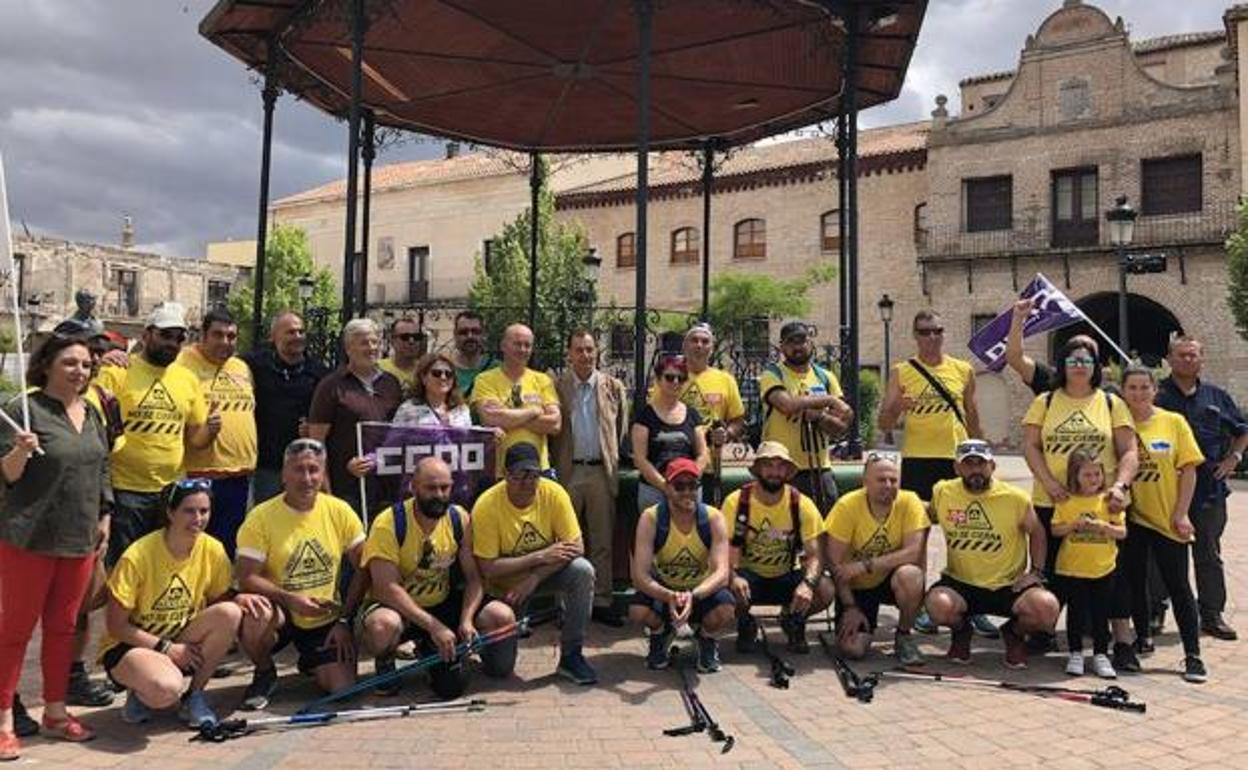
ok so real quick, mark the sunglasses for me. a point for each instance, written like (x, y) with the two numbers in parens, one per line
(684, 486)
(408, 336)
(187, 487)
(1079, 361)
(670, 377)
(441, 374)
(932, 331)
(172, 335)
(301, 445)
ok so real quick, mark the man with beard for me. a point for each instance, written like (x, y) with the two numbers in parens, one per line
(470, 356)
(164, 412)
(992, 534)
(415, 594)
(875, 536)
(285, 379)
(803, 410)
(774, 535)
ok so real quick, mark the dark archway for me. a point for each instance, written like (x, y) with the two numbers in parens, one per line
(1151, 326)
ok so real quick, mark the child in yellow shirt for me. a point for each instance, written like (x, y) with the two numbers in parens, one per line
(1086, 560)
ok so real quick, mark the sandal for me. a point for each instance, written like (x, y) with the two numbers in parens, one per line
(68, 729)
(10, 746)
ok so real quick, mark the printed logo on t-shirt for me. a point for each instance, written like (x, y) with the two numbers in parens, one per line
(1087, 537)
(1072, 433)
(929, 401)
(878, 545)
(1148, 470)
(171, 611)
(529, 540)
(770, 546)
(423, 583)
(971, 529)
(231, 392)
(309, 567)
(682, 569)
(176, 596)
(155, 413)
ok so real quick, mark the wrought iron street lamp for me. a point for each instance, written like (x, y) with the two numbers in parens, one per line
(1121, 220)
(306, 286)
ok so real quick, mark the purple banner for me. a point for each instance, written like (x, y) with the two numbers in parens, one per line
(1051, 309)
(398, 449)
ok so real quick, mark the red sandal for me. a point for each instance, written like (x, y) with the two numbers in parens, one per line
(68, 729)
(10, 747)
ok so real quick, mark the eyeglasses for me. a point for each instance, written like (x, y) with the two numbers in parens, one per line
(441, 374)
(172, 335)
(408, 336)
(684, 486)
(1079, 361)
(879, 457)
(670, 377)
(931, 331)
(301, 445)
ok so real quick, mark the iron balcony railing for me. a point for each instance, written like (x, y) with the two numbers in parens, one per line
(1030, 235)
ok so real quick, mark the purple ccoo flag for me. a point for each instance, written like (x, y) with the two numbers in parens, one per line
(1051, 309)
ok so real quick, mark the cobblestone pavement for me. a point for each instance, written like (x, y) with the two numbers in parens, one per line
(536, 720)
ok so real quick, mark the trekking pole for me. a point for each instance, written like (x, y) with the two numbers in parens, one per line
(781, 669)
(815, 463)
(230, 729)
(462, 650)
(700, 719)
(717, 469)
(859, 688)
(1112, 697)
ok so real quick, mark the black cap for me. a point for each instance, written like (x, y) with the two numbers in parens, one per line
(794, 329)
(522, 457)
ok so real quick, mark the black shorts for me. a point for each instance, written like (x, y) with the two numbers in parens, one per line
(984, 601)
(769, 591)
(869, 601)
(308, 643)
(700, 606)
(920, 474)
(114, 656)
(447, 613)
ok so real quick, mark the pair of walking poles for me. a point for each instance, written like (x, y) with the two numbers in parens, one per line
(700, 720)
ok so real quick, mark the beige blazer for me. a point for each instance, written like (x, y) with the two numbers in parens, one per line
(612, 424)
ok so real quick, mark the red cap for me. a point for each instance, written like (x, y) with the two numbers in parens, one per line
(681, 466)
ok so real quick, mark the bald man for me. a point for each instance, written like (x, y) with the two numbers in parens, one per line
(414, 597)
(521, 401)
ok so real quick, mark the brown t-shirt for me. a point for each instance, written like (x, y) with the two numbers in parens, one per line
(341, 400)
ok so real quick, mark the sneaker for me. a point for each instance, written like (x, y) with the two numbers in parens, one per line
(923, 623)
(574, 668)
(1216, 627)
(795, 631)
(1074, 664)
(1015, 647)
(1041, 642)
(960, 644)
(257, 694)
(1125, 658)
(1102, 667)
(23, 725)
(196, 712)
(907, 650)
(406, 650)
(136, 711)
(985, 627)
(659, 655)
(708, 655)
(1194, 670)
(1144, 646)
(84, 692)
(747, 634)
(384, 664)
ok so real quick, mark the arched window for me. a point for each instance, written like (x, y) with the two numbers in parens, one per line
(830, 230)
(685, 245)
(749, 239)
(920, 225)
(626, 250)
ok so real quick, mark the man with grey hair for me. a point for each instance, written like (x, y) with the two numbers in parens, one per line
(713, 392)
(356, 391)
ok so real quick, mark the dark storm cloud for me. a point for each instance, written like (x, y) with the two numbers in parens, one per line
(112, 107)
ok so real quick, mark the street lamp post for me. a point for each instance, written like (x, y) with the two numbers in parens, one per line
(306, 285)
(593, 268)
(885, 306)
(1121, 220)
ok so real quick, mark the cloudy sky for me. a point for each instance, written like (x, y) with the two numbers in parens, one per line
(112, 107)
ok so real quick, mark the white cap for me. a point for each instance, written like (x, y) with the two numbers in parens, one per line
(168, 315)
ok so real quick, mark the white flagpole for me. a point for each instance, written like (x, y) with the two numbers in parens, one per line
(9, 267)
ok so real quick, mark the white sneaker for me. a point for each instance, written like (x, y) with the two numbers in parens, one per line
(1074, 665)
(1103, 667)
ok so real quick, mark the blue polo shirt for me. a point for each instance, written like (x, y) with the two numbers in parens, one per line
(1215, 419)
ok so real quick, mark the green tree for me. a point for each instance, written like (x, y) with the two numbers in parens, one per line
(287, 259)
(565, 299)
(739, 300)
(1237, 270)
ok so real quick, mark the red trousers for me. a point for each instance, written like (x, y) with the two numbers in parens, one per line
(34, 586)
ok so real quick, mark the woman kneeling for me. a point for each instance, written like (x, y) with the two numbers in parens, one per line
(170, 613)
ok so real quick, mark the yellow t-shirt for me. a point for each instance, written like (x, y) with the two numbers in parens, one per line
(406, 377)
(424, 562)
(768, 548)
(302, 552)
(786, 430)
(156, 406)
(1084, 554)
(1069, 423)
(228, 390)
(713, 393)
(852, 523)
(535, 388)
(500, 529)
(983, 532)
(932, 428)
(1165, 444)
(164, 594)
(683, 561)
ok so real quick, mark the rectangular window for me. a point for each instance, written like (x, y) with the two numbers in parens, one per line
(487, 255)
(685, 246)
(750, 239)
(218, 292)
(1171, 185)
(123, 289)
(418, 274)
(830, 230)
(1076, 216)
(988, 203)
(626, 250)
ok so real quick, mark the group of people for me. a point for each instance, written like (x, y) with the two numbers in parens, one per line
(209, 501)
